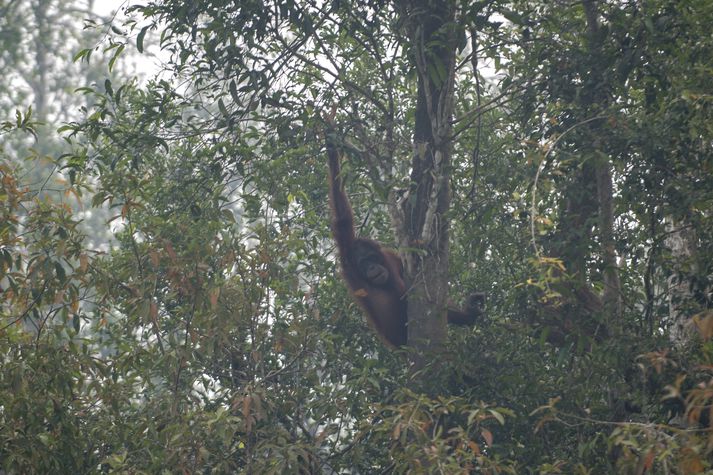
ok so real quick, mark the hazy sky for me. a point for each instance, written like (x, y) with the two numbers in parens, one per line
(141, 65)
(104, 7)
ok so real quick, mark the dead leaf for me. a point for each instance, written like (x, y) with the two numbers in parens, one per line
(487, 435)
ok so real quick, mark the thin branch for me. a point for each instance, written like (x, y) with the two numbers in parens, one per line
(338, 75)
(479, 126)
(540, 169)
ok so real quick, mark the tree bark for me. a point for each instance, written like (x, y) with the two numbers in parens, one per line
(424, 225)
(682, 242)
(611, 297)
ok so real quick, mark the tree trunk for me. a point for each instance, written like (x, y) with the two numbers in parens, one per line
(588, 204)
(611, 298)
(40, 85)
(423, 223)
(682, 242)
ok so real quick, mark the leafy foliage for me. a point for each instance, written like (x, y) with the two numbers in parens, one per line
(214, 334)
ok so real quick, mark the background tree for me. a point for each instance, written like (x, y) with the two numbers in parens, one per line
(42, 43)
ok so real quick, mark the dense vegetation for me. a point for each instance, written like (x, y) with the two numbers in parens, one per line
(170, 300)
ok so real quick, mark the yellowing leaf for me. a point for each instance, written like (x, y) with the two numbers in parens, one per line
(153, 312)
(169, 250)
(487, 435)
(83, 262)
(704, 324)
(648, 460)
(213, 296)
(153, 255)
(691, 462)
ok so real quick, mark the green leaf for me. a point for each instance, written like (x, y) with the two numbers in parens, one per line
(232, 87)
(515, 18)
(499, 417)
(59, 271)
(222, 108)
(115, 56)
(140, 38)
(82, 54)
(228, 215)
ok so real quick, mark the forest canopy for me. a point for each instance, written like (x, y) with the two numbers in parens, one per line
(171, 296)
